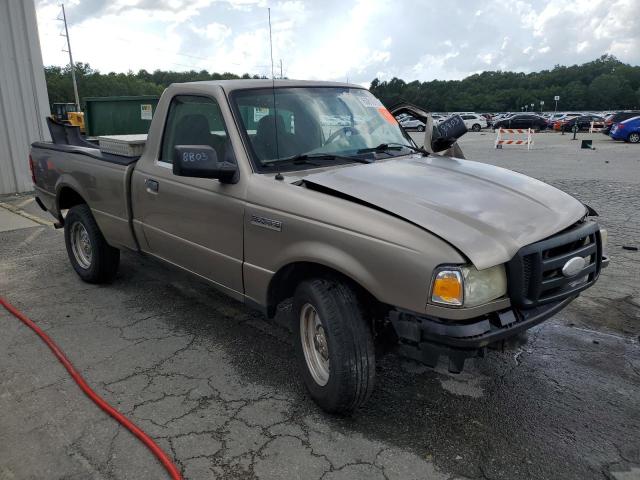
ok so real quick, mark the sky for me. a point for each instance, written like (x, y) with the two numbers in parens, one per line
(345, 40)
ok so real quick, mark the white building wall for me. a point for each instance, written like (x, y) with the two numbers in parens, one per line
(24, 103)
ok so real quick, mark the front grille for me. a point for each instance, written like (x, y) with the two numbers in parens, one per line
(535, 274)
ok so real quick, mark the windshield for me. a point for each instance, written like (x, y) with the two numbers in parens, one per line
(334, 124)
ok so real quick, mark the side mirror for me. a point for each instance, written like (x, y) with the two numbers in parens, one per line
(201, 161)
(448, 132)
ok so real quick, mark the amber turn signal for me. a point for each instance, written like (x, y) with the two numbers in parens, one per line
(447, 288)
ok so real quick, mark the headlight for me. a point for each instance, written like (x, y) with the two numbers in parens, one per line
(468, 286)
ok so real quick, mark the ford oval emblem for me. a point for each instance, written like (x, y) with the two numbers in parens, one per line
(573, 266)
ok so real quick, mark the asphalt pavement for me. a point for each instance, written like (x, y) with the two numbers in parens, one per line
(215, 383)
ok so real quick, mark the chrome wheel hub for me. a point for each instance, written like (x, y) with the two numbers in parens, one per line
(81, 245)
(314, 344)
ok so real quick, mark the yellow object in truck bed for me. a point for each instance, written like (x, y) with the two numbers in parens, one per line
(76, 119)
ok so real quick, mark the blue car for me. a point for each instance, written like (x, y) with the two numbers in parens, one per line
(629, 130)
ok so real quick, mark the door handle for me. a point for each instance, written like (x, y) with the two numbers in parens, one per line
(152, 185)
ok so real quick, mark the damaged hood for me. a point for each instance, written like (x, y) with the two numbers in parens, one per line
(487, 212)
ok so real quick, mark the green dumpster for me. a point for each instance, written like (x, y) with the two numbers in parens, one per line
(119, 115)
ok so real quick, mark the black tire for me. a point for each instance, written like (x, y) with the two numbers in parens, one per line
(351, 354)
(634, 137)
(476, 127)
(421, 128)
(104, 259)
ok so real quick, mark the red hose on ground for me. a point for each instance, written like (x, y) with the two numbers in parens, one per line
(124, 421)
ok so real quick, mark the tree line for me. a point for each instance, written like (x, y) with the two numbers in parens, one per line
(93, 83)
(603, 84)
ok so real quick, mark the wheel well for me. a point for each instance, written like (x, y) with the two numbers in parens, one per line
(284, 283)
(68, 197)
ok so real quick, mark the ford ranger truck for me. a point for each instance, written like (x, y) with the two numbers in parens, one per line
(312, 191)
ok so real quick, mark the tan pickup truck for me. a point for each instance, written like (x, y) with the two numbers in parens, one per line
(312, 191)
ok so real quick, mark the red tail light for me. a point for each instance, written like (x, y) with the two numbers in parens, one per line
(620, 126)
(33, 171)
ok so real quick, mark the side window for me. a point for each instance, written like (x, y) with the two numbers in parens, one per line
(468, 117)
(194, 120)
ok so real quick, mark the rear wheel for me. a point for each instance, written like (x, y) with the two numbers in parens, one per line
(421, 128)
(93, 259)
(334, 345)
(476, 127)
(634, 137)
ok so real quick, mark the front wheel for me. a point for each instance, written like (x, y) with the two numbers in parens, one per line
(334, 345)
(476, 127)
(634, 137)
(421, 128)
(93, 259)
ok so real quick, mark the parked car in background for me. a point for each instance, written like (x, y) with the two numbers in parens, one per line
(412, 123)
(499, 116)
(628, 130)
(584, 122)
(522, 120)
(551, 119)
(617, 117)
(561, 122)
(474, 122)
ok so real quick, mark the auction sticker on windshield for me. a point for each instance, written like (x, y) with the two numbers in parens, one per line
(386, 114)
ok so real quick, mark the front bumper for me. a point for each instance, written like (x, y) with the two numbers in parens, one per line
(426, 339)
(538, 288)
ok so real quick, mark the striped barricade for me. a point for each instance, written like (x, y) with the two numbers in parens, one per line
(596, 127)
(514, 136)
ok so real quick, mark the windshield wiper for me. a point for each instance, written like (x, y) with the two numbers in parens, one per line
(386, 147)
(304, 157)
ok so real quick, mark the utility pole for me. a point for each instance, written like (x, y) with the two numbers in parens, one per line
(73, 67)
(281, 75)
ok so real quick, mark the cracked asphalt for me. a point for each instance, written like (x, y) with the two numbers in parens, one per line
(216, 386)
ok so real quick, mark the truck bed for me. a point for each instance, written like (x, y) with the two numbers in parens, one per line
(101, 179)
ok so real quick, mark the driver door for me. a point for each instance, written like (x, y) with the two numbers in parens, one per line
(194, 223)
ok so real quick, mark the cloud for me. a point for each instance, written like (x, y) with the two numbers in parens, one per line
(340, 39)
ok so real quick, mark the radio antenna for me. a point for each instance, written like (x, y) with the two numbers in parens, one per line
(270, 42)
(273, 89)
